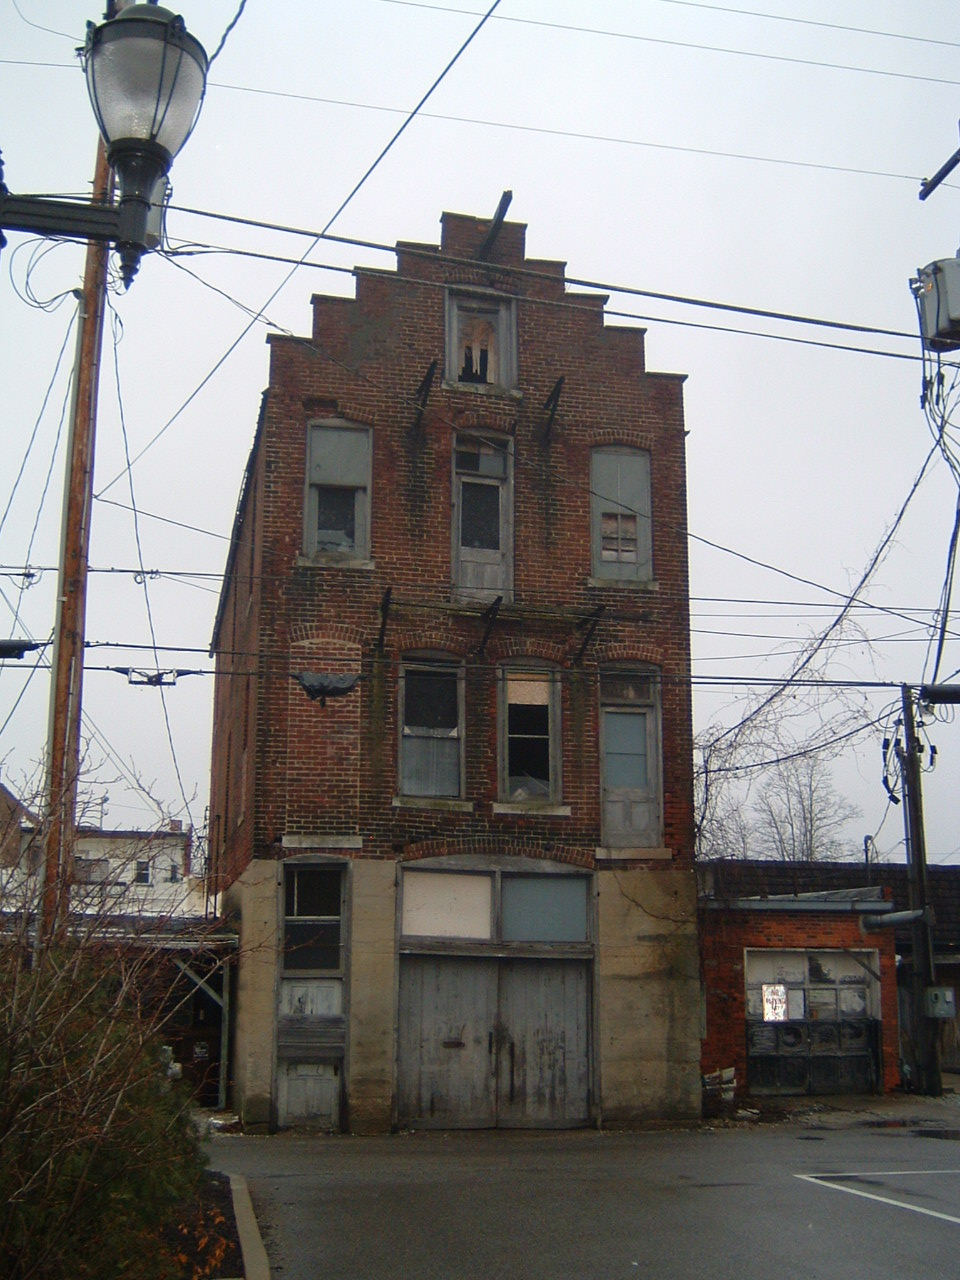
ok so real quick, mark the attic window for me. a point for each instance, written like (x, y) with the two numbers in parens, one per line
(481, 341)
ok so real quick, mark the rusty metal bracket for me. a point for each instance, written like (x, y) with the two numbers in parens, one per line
(423, 394)
(591, 623)
(489, 616)
(384, 613)
(552, 403)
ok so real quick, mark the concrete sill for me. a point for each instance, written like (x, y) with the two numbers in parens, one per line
(350, 563)
(440, 804)
(532, 809)
(625, 584)
(609, 853)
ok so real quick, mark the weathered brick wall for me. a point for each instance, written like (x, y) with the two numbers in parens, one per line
(333, 769)
(724, 937)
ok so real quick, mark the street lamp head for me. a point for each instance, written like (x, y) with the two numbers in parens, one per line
(146, 77)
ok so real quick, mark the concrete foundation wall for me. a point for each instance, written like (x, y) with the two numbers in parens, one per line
(648, 995)
(256, 897)
(372, 997)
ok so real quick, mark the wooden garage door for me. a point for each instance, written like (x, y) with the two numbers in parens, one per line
(487, 1043)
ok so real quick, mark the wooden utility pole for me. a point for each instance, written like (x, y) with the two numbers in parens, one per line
(926, 1037)
(63, 741)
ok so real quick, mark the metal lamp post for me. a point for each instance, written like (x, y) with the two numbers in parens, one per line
(146, 78)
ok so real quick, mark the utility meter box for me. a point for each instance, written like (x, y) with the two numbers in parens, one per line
(939, 301)
(940, 1002)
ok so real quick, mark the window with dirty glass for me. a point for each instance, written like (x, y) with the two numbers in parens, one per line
(311, 917)
(337, 506)
(529, 735)
(431, 718)
(481, 341)
(540, 908)
(482, 524)
(630, 757)
(620, 514)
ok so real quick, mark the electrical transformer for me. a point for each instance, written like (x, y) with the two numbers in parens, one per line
(938, 296)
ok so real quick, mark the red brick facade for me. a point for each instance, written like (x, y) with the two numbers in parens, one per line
(727, 933)
(286, 766)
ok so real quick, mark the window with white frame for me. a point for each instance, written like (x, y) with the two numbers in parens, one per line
(620, 514)
(337, 520)
(482, 516)
(481, 341)
(529, 735)
(141, 872)
(312, 912)
(431, 729)
(630, 757)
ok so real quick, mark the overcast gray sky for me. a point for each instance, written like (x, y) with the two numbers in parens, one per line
(763, 155)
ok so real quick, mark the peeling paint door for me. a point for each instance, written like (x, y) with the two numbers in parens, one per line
(489, 1042)
(448, 1008)
(542, 1072)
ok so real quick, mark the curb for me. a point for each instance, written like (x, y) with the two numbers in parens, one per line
(255, 1264)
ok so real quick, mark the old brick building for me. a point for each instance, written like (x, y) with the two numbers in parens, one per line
(452, 761)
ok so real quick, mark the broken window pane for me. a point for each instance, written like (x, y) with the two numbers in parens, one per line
(478, 346)
(529, 698)
(618, 537)
(336, 519)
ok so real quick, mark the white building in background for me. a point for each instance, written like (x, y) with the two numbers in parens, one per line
(136, 873)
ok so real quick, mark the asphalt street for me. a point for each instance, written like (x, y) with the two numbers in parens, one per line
(868, 1195)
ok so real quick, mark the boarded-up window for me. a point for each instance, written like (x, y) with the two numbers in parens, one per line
(430, 738)
(312, 911)
(620, 514)
(446, 905)
(337, 507)
(630, 758)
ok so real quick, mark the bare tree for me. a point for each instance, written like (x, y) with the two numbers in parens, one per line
(799, 815)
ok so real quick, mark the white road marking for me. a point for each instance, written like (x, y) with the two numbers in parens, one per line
(828, 1180)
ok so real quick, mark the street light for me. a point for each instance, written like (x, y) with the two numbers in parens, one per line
(146, 77)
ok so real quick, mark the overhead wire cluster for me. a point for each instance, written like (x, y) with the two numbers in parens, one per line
(259, 315)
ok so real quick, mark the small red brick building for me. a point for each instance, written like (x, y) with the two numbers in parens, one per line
(452, 754)
(799, 985)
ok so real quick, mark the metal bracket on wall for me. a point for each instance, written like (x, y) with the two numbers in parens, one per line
(384, 614)
(552, 403)
(489, 616)
(423, 394)
(591, 623)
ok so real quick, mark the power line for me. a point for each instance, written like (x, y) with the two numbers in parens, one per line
(685, 44)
